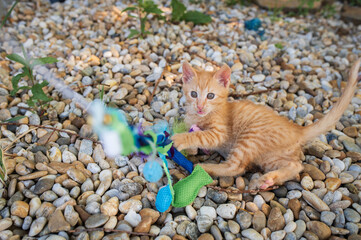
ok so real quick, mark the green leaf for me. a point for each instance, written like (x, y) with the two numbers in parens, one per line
(150, 7)
(101, 95)
(31, 102)
(196, 17)
(142, 25)
(129, 9)
(15, 81)
(178, 10)
(17, 58)
(27, 72)
(38, 92)
(8, 14)
(133, 33)
(15, 119)
(279, 46)
(24, 87)
(42, 61)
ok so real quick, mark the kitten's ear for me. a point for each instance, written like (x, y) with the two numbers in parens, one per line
(223, 75)
(188, 72)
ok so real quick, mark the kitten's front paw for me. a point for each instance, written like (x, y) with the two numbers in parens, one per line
(179, 141)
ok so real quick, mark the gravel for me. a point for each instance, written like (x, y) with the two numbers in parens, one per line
(59, 181)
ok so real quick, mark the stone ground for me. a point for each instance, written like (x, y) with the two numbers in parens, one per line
(61, 181)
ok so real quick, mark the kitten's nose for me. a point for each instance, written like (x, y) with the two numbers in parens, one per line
(199, 107)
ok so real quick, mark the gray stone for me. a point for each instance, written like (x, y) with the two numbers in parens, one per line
(244, 219)
(192, 231)
(252, 234)
(226, 211)
(131, 188)
(204, 223)
(217, 196)
(300, 229)
(96, 220)
(44, 184)
(37, 225)
(327, 217)
(351, 215)
(340, 218)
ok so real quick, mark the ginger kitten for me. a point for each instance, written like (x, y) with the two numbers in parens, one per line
(248, 134)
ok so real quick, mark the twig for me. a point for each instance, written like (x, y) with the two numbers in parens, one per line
(245, 210)
(243, 191)
(206, 59)
(253, 93)
(52, 133)
(109, 230)
(25, 108)
(51, 128)
(156, 85)
(22, 135)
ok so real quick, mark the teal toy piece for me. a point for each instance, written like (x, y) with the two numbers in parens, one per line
(152, 171)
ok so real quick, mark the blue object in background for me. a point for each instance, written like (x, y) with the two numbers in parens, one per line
(253, 24)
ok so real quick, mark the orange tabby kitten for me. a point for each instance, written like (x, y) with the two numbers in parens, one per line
(248, 134)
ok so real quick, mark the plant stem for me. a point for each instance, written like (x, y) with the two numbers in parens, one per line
(8, 14)
(31, 76)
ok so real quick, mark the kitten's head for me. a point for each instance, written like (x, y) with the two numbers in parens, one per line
(205, 91)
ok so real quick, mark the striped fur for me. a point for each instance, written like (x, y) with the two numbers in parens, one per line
(246, 133)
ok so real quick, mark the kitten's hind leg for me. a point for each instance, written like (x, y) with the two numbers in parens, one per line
(222, 169)
(282, 170)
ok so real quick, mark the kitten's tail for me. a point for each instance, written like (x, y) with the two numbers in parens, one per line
(327, 122)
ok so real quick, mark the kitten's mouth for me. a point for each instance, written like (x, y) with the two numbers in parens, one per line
(202, 113)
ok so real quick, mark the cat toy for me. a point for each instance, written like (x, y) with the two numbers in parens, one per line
(120, 138)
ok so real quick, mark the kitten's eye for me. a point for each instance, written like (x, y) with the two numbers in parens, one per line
(210, 95)
(194, 94)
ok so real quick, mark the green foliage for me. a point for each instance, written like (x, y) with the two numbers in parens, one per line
(15, 119)
(143, 8)
(328, 11)
(305, 6)
(179, 13)
(8, 14)
(276, 14)
(355, 2)
(178, 10)
(38, 95)
(196, 17)
(279, 46)
(234, 2)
